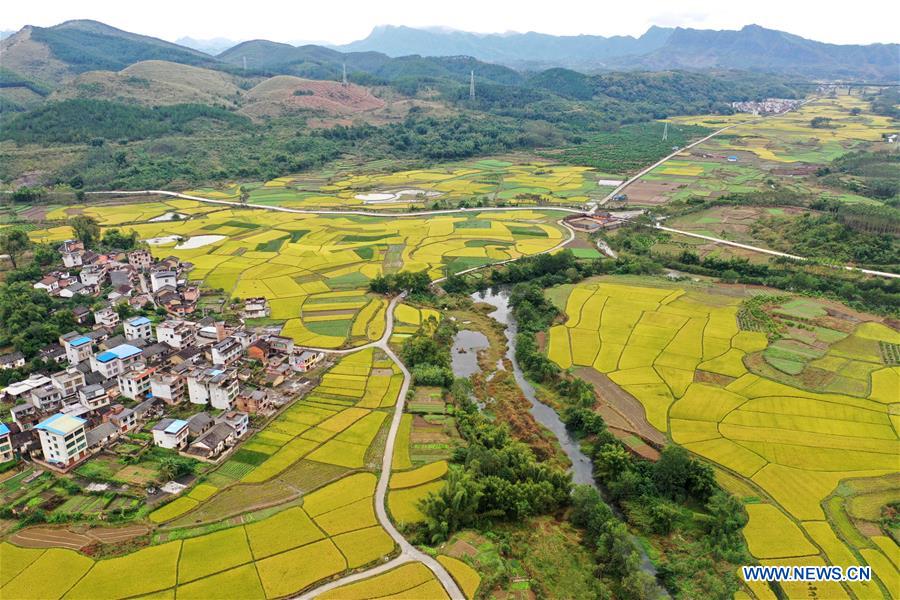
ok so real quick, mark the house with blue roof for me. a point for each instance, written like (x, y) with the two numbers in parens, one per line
(110, 363)
(63, 440)
(138, 328)
(78, 348)
(171, 433)
(6, 451)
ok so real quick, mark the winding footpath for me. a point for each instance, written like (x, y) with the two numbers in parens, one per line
(408, 552)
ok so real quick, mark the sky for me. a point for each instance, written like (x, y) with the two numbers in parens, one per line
(857, 22)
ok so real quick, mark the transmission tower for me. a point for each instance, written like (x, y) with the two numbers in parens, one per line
(471, 85)
(344, 77)
(666, 131)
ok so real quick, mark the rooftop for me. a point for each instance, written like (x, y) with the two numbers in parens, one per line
(3, 429)
(138, 321)
(80, 341)
(121, 351)
(61, 424)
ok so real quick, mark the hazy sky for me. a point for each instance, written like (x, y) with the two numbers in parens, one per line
(859, 21)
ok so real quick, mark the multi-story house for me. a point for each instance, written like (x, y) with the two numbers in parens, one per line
(78, 348)
(171, 433)
(135, 382)
(115, 360)
(106, 317)
(168, 386)
(63, 439)
(68, 381)
(217, 387)
(177, 333)
(226, 352)
(138, 328)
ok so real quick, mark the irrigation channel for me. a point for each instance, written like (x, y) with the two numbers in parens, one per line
(582, 467)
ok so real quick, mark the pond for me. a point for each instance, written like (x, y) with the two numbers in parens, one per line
(464, 354)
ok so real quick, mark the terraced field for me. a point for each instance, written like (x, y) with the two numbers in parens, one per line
(271, 557)
(315, 269)
(514, 180)
(681, 352)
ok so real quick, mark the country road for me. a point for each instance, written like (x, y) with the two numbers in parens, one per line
(675, 153)
(408, 552)
(425, 213)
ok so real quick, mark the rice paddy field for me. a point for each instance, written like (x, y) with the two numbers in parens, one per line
(795, 441)
(270, 557)
(511, 180)
(315, 269)
(746, 158)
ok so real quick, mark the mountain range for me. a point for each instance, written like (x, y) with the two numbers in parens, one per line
(35, 61)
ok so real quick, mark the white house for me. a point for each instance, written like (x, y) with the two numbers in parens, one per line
(78, 349)
(135, 382)
(63, 439)
(170, 433)
(168, 387)
(138, 328)
(115, 360)
(305, 360)
(177, 333)
(217, 387)
(226, 352)
(93, 396)
(106, 317)
(68, 381)
(256, 308)
(160, 279)
(93, 275)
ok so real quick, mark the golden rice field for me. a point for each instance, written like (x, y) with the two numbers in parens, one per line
(334, 530)
(793, 446)
(315, 270)
(515, 181)
(790, 138)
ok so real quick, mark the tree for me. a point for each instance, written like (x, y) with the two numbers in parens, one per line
(86, 229)
(453, 507)
(172, 467)
(114, 238)
(14, 242)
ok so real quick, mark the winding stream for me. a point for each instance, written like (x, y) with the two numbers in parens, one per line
(582, 466)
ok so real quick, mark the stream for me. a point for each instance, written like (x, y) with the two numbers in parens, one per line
(582, 466)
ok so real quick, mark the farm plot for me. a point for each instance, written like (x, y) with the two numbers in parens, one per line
(275, 556)
(514, 181)
(744, 159)
(315, 270)
(334, 425)
(683, 356)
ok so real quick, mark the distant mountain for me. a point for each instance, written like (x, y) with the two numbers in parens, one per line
(212, 46)
(756, 48)
(56, 54)
(751, 48)
(520, 50)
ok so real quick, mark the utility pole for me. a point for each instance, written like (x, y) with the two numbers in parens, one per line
(245, 63)
(471, 85)
(344, 77)
(666, 131)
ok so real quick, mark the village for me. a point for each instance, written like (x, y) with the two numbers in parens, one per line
(154, 381)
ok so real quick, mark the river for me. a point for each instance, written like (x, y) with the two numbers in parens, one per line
(582, 466)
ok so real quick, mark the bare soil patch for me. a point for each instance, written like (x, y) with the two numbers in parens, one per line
(633, 416)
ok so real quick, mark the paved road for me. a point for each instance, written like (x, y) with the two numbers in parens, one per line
(408, 552)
